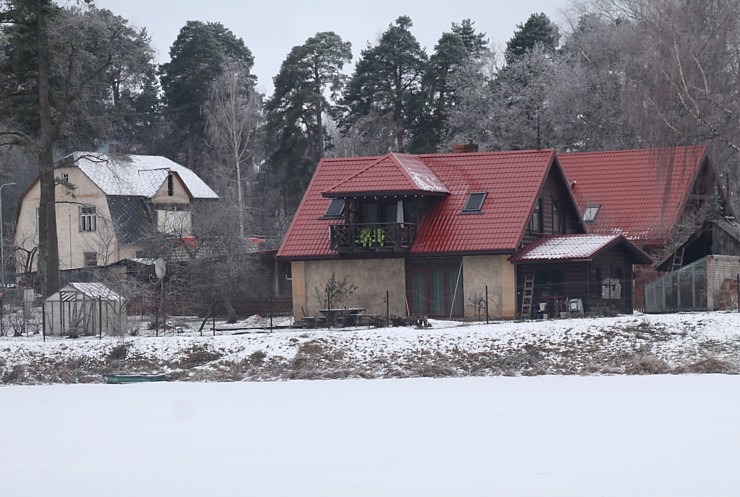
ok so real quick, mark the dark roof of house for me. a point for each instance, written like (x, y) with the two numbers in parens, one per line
(512, 181)
(639, 193)
(132, 218)
(730, 227)
(561, 248)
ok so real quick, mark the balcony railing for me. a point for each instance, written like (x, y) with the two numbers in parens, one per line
(372, 237)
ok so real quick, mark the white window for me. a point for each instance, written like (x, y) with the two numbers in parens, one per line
(589, 215)
(65, 178)
(87, 218)
(173, 221)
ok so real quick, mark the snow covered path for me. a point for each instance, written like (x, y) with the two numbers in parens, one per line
(511, 436)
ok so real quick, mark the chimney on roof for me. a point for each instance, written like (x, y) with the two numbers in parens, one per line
(465, 148)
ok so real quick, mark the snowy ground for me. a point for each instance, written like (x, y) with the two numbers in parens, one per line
(672, 343)
(567, 436)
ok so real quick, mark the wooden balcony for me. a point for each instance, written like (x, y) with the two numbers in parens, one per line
(393, 237)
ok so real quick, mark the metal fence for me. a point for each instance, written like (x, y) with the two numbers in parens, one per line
(683, 290)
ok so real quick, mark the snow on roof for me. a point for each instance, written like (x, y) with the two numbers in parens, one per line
(566, 247)
(89, 290)
(135, 175)
(391, 173)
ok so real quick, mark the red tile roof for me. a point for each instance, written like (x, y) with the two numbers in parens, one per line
(392, 173)
(641, 192)
(511, 179)
(576, 247)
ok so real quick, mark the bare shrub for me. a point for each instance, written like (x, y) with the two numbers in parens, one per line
(197, 355)
(710, 365)
(257, 358)
(646, 364)
(314, 348)
(117, 353)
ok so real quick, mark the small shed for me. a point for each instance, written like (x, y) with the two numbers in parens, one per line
(85, 309)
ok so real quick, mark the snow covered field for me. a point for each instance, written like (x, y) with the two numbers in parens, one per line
(623, 344)
(568, 436)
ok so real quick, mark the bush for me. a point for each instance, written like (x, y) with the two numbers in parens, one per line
(117, 353)
(647, 364)
(711, 365)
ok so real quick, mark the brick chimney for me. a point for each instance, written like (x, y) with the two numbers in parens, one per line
(465, 149)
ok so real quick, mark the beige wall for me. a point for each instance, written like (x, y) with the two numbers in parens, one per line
(371, 276)
(496, 272)
(374, 276)
(73, 243)
(179, 193)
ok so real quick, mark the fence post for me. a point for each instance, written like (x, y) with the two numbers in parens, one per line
(270, 311)
(387, 309)
(100, 316)
(486, 304)
(43, 322)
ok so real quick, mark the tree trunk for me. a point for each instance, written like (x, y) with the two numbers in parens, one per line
(230, 312)
(48, 267)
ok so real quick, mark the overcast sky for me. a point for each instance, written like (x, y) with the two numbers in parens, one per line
(270, 28)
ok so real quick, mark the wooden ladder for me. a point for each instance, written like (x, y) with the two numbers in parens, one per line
(527, 296)
(677, 259)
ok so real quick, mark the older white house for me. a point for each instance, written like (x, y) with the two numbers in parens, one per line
(107, 205)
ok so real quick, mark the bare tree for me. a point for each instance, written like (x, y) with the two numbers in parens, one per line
(233, 118)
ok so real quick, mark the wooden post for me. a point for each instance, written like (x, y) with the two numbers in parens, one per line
(486, 304)
(387, 309)
(100, 315)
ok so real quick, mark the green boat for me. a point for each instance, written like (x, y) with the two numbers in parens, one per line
(134, 378)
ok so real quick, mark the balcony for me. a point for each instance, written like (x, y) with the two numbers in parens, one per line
(392, 237)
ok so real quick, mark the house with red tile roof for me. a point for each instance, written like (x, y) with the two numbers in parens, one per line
(657, 198)
(434, 234)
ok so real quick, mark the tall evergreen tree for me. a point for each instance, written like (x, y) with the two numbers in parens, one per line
(453, 50)
(387, 81)
(538, 30)
(296, 111)
(197, 58)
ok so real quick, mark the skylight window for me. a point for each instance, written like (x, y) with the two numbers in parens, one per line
(589, 215)
(474, 202)
(336, 208)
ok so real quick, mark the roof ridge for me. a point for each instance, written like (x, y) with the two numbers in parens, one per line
(646, 150)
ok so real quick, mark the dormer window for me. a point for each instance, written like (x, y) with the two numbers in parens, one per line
(589, 215)
(474, 204)
(336, 208)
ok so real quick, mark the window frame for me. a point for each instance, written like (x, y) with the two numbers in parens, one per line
(88, 218)
(536, 223)
(90, 259)
(330, 213)
(477, 208)
(587, 217)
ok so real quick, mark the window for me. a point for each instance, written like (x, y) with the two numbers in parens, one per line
(91, 259)
(595, 281)
(336, 208)
(535, 222)
(474, 202)
(550, 282)
(170, 185)
(558, 221)
(589, 215)
(87, 218)
(65, 178)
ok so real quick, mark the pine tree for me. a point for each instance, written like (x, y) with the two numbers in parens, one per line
(387, 81)
(538, 30)
(197, 58)
(453, 50)
(296, 111)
